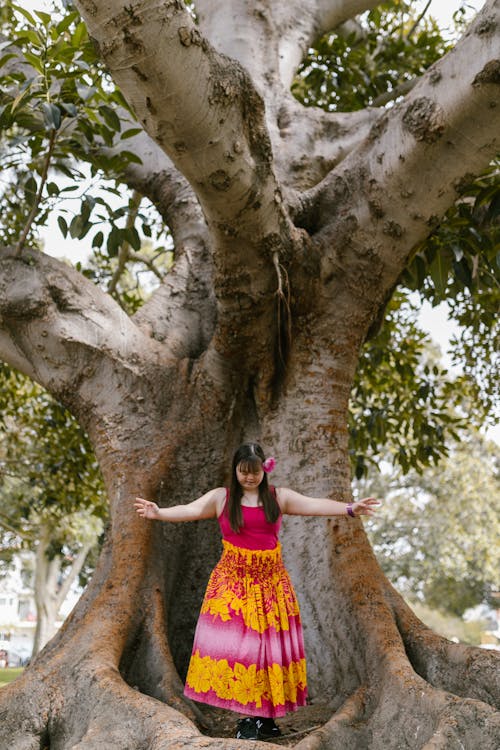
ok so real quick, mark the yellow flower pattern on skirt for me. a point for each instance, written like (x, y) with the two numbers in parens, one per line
(276, 684)
(232, 590)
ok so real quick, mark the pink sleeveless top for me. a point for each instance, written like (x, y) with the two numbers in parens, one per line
(257, 533)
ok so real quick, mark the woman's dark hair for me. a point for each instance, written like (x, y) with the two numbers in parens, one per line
(250, 457)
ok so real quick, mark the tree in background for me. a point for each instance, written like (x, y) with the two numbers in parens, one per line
(291, 227)
(51, 495)
(436, 537)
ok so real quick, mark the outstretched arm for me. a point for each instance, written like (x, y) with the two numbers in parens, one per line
(208, 505)
(295, 504)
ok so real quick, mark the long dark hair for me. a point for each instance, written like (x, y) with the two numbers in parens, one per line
(250, 457)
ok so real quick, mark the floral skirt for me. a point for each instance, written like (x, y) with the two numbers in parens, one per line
(248, 650)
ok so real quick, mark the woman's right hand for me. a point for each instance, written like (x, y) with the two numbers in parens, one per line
(146, 508)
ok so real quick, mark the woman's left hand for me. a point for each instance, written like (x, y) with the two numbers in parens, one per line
(366, 507)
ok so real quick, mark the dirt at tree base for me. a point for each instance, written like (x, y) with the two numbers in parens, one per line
(294, 726)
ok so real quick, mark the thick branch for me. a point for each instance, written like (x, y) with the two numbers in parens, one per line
(271, 39)
(200, 107)
(65, 333)
(389, 193)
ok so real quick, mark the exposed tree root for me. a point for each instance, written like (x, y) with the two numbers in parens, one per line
(463, 670)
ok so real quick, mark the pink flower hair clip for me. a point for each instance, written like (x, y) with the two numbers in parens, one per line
(269, 464)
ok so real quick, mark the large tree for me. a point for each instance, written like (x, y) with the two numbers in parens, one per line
(292, 227)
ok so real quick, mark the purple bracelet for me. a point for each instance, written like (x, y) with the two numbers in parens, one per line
(350, 511)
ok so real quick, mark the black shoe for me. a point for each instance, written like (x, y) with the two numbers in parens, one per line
(267, 729)
(246, 729)
(257, 728)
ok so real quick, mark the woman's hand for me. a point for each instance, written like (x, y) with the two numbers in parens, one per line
(146, 509)
(365, 507)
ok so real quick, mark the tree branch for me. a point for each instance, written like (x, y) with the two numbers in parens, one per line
(390, 192)
(200, 107)
(62, 331)
(271, 41)
(5, 523)
(38, 197)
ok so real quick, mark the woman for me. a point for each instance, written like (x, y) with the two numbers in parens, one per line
(248, 651)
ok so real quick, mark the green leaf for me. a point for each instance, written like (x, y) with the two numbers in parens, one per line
(24, 13)
(131, 235)
(62, 225)
(131, 157)
(6, 58)
(23, 91)
(51, 115)
(45, 18)
(66, 22)
(130, 133)
(69, 108)
(439, 274)
(76, 227)
(79, 35)
(114, 242)
(98, 240)
(85, 92)
(35, 61)
(30, 190)
(110, 117)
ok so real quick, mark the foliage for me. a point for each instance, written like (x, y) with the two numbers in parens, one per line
(49, 475)
(353, 70)
(460, 263)
(59, 110)
(436, 536)
(403, 400)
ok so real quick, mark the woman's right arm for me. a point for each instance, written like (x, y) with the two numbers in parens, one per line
(208, 505)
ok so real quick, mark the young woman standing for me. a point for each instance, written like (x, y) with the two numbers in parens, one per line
(248, 650)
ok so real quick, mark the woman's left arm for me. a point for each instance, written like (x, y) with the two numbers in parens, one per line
(295, 504)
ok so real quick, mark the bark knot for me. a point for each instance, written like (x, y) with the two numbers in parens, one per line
(424, 119)
(189, 36)
(489, 74)
(220, 180)
(392, 229)
(485, 25)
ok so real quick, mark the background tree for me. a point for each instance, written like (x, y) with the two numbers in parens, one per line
(291, 228)
(436, 535)
(51, 495)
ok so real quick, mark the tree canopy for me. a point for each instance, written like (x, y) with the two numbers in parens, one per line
(61, 110)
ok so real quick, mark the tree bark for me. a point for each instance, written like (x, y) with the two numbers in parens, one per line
(281, 272)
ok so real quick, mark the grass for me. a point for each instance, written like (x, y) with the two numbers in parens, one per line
(9, 674)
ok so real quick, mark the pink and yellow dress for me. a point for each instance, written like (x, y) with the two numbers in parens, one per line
(248, 650)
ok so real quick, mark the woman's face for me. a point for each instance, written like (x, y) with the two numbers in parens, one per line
(249, 478)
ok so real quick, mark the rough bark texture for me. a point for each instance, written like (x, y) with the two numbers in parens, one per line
(291, 227)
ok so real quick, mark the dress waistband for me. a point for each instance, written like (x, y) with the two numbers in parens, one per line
(251, 555)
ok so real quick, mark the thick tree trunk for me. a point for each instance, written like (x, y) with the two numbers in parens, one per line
(126, 645)
(290, 236)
